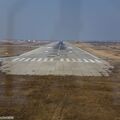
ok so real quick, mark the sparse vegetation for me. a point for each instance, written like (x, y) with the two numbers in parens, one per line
(61, 97)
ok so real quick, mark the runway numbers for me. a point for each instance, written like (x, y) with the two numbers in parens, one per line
(53, 59)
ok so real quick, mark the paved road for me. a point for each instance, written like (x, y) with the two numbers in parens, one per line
(57, 58)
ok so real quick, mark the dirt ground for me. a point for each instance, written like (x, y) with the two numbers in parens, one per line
(62, 97)
(102, 49)
(7, 50)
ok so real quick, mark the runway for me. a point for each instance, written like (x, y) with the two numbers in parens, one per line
(57, 58)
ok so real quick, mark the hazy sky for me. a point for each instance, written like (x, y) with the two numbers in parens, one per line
(60, 19)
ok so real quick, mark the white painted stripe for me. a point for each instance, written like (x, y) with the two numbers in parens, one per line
(45, 60)
(79, 60)
(51, 59)
(49, 47)
(73, 60)
(46, 51)
(21, 59)
(91, 60)
(39, 59)
(88, 53)
(70, 47)
(27, 59)
(33, 59)
(15, 59)
(67, 59)
(70, 51)
(61, 59)
(85, 60)
(98, 61)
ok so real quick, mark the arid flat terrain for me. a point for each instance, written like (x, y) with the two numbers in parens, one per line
(67, 97)
(103, 49)
(11, 49)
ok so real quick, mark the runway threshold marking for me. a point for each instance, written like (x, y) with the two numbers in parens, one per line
(15, 59)
(39, 59)
(79, 60)
(70, 51)
(91, 60)
(51, 59)
(98, 61)
(27, 59)
(67, 59)
(61, 59)
(21, 59)
(70, 47)
(73, 60)
(45, 60)
(33, 59)
(86, 60)
(46, 51)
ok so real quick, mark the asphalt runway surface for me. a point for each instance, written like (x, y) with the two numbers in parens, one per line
(58, 58)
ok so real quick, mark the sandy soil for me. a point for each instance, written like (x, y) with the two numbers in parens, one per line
(105, 50)
(7, 50)
(62, 98)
